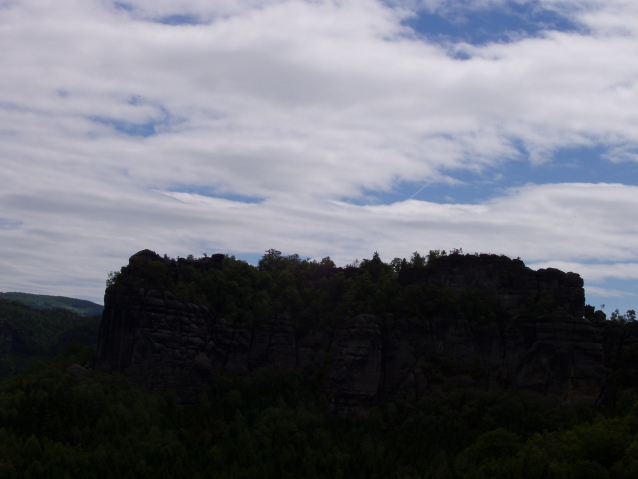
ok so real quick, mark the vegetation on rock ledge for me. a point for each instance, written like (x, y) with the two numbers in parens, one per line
(309, 291)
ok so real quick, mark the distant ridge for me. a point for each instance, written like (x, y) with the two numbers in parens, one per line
(41, 301)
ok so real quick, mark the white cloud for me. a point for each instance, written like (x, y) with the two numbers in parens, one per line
(325, 89)
(610, 293)
(299, 104)
(62, 242)
(159, 9)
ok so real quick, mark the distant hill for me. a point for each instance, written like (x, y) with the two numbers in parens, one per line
(41, 301)
(27, 333)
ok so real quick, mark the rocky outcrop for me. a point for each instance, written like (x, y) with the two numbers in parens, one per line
(565, 361)
(162, 344)
(516, 287)
(156, 341)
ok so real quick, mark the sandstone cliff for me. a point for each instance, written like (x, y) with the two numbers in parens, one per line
(161, 343)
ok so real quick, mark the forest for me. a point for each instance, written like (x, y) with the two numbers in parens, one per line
(27, 333)
(274, 424)
(99, 426)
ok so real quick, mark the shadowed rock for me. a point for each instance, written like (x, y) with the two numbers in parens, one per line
(154, 340)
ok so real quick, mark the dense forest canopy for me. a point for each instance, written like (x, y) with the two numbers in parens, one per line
(273, 425)
(26, 333)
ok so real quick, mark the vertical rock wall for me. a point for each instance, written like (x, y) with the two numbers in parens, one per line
(162, 344)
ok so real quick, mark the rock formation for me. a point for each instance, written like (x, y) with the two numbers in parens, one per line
(514, 285)
(160, 343)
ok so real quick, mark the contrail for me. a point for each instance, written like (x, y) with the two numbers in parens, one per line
(427, 184)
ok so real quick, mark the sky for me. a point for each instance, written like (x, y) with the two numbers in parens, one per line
(322, 128)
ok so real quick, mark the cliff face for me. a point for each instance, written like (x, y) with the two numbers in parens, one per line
(516, 287)
(150, 337)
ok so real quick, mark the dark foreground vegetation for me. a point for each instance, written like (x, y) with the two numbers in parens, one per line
(27, 333)
(273, 426)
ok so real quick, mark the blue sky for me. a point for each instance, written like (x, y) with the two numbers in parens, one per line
(320, 128)
(479, 24)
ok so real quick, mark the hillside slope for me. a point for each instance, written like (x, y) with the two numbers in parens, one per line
(42, 301)
(26, 333)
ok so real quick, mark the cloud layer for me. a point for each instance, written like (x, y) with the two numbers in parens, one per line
(238, 126)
